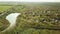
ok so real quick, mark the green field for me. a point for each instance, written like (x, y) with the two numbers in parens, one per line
(35, 18)
(4, 8)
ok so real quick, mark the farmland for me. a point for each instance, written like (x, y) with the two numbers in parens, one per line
(35, 18)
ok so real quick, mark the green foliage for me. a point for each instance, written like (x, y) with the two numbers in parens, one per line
(34, 18)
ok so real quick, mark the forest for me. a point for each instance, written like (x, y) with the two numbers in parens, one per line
(35, 18)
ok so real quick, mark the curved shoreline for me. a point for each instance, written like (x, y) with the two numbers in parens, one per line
(13, 18)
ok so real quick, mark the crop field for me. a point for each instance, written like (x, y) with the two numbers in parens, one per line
(35, 18)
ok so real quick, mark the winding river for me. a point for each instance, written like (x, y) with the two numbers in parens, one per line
(12, 20)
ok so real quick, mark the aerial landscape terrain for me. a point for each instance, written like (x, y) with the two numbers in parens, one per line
(35, 18)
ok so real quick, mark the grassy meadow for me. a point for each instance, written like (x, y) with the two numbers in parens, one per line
(35, 18)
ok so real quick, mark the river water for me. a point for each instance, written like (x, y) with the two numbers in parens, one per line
(12, 17)
(12, 20)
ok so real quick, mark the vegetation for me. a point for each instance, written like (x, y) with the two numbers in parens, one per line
(35, 19)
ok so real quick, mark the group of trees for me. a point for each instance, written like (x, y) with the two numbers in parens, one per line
(42, 20)
(36, 20)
